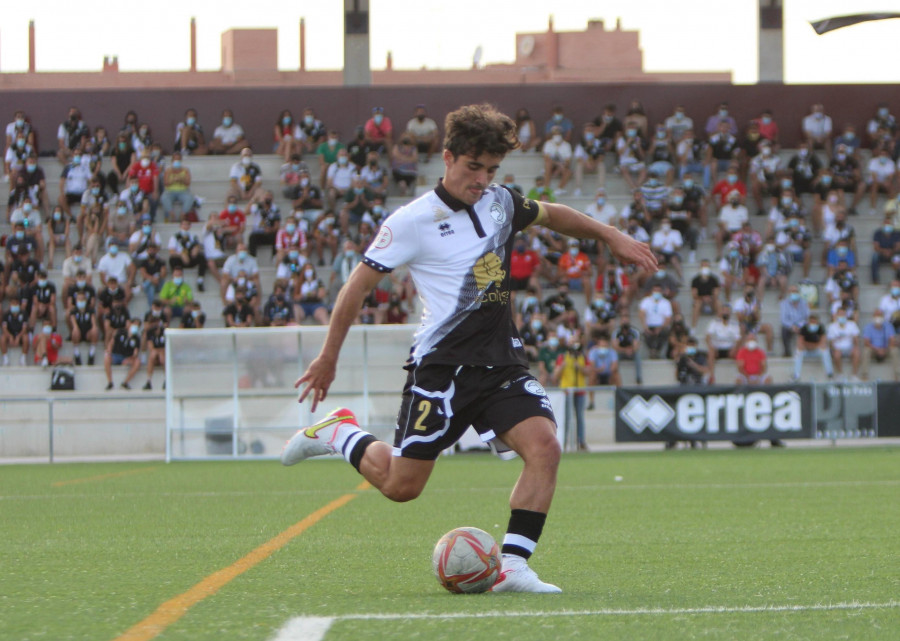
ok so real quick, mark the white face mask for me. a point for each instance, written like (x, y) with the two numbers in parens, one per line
(752, 345)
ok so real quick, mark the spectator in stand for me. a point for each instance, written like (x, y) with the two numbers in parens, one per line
(404, 165)
(230, 224)
(678, 124)
(175, 293)
(47, 344)
(661, 156)
(541, 191)
(153, 273)
(58, 234)
(277, 311)
(590, 157)
(723, 335)
(16, 156)
(723, 188)
(571, 371)
(722, 151)
(603, 364)
(312, 131)
(239, 313)
(627, 343)
(704, 293)
(189, 138)
(241, 262)
(177, 184)
(374, 175)
(310, 297)
(343, 265)
(328, 154)
(145, 174)
(846, 176)
(74, 263)
(186, 250)
(559, 119)
(817, 129)
(609, 128)
(768, 128)
(71, 136)
(764, 171)
(309, 201)
(379, 132)
(292, 234)
(883, 122)
(732, 217)
(155, 341)
(656, 318)
(882, 176)
(843, 339)
(667, 242)
(14, 330)
(125, 349)
(885, 245)
(83, 327)
(21, 124)
(693, 157)
(574, 268)
(811, 341)
(796, 241)
(245, 177)
(524, 267)
(357, 203)
(339, 178)
(559, 304)
(287, 136)
(637, 117)
(890, 304)
(602, 210)
(424, 132)
(34, 182)
(193, 319)
(75, 179)
(630, 151)
(692, 366)
(557, 152)
(527, 132)
(139, 242)
(879, 342)
(117, 264)
(395, 313)
(29, 217)
(228, 138)
(289, 176)
(804, 166)
(715, 121)
(266, 219)
(43, 300)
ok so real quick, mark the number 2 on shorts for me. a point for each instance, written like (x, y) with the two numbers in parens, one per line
(424, 409)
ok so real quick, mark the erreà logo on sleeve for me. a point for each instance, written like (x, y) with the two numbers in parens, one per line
(757, 411)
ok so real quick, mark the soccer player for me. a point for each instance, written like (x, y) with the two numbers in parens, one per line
(467, 365)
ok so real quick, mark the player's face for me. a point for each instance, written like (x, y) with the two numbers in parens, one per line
(466, 177)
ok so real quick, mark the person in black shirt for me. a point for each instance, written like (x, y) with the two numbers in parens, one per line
(83, 327)
(81, 284)
(704, 292)
(117, 318)
(14, 331)
(193, 317)
(239, 313)
(278, 311)
(155, 340)
(125, 348)
(811, 341)
(692, 368)
(267, 220)
(559, 303)
(22, 272)
(43, 300)
(153, 273)
(627, 343)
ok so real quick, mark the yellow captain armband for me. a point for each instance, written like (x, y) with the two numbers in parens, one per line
(542, 215)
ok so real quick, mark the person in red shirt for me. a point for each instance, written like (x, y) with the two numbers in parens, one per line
(768, 128)
(47, 345)
(523, 266)
(751, 364)
(574, 268)
(379, 132)
(145, 173)
(232, 221)
(729, 183)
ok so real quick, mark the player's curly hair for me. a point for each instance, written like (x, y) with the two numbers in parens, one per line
(478, 129)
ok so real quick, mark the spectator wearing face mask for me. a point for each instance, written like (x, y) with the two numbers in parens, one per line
(723, 335)
(704, 293)
(266, 219)
(843, 339)
(812, 342)
(424, 132)
(145, 174)
(83, 326)
(14, 331)
(177, 183)
(656, 317)
(722, 150)
(557, 154)
(228, 138)
(794, 313)
(574, 268)
(310, 297)
(379, 132)
(339, 178)
(245, 178)
(879, 342)
(751, 363)
(241, 262)
(118, 264)
(124, 349)
(278, 311)
(176, 294)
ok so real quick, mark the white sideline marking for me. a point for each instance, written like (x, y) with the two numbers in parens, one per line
(315, 628)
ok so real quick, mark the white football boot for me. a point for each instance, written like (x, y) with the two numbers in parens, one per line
(318, 438)
(518, 577)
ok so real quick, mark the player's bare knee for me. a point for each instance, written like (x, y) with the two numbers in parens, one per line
(401, 493)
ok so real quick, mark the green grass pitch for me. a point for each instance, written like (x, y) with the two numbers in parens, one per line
(717, 544)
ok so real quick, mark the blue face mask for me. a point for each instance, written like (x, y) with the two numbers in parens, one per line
(227, 120)
(286, 120)
(177, 280)
(813, 328)
(795, 296)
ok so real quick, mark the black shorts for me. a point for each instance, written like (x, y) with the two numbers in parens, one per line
(518, 284)
(441, 401)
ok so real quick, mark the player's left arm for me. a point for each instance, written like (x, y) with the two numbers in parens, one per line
(565, 220)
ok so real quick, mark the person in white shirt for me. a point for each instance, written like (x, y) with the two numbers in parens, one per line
(557, 159)
(732, 217)
(722, 336)
(890, 302)
(339, 178)
(843, 338)
(601, 209)
(817, 129)
(228, 138)
(667, 242)
(656, 317)
(763, 171)
(882, 174)
(678, 123)
(241, 261)
(118, 264)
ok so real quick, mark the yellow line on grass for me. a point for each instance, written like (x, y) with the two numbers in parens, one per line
(103, 477)
(175, 608)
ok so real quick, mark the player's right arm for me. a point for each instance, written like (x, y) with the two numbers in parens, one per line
(321, 371)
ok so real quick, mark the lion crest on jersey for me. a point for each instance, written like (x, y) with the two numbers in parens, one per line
(488, 269)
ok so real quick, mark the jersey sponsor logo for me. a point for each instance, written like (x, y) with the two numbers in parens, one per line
(384, 238)
(533, 387)
(489, 270)
(498, 213)
(446, 230)
(516, 343)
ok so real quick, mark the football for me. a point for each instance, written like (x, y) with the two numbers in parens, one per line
(466, 560)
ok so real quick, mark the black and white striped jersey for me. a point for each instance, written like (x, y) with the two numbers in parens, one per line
(458, 257)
